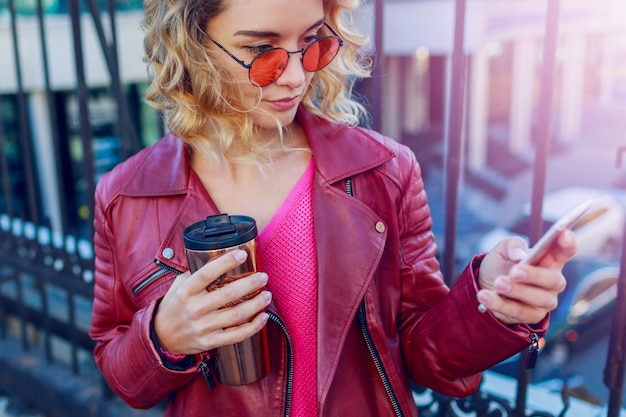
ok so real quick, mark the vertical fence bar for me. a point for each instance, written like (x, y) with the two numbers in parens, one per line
(24, 127)
(5, 229)
(19, 298)
(53, 114)
(542, 150)
(4, 170)
(616, 355)
(71, 304)
(456, 108)
(88, 164)
(379, 67)
(54, 125)
(83, 98)
(24, 135)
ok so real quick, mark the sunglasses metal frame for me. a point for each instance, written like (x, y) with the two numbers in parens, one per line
(300, 51)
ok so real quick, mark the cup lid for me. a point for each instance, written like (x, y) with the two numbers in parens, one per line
(219, 231)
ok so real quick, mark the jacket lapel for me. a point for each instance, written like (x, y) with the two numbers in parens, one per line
(341, 151)
(349, 247)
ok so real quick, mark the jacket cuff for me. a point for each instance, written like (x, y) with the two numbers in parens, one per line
(471, 272)
(169, 361)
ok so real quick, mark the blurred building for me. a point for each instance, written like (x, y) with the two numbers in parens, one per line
(503, 45)
(504, 42)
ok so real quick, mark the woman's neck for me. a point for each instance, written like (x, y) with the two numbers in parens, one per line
(254, 188)
(265, 146)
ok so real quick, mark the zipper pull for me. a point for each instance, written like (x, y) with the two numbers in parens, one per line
(533, 351)
(205, 368)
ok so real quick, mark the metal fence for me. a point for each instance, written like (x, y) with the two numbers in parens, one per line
(46, 278)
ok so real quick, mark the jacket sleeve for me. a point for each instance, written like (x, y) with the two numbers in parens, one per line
(445, 340)
(124, 351)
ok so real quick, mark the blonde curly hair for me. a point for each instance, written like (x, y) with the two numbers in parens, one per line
(190, 88)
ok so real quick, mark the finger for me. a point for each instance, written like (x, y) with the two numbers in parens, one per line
(204, 276)
(235, 291)
(549, 279)
(530, 295)
(568, 246)
(172, 292)
(510, 311)
(234, 334)
(241, 312)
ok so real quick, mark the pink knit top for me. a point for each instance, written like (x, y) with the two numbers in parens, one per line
(287, 248)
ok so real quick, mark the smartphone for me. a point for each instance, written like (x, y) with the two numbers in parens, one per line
(540, 248)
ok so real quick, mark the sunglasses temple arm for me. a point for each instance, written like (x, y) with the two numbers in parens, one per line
(333, 32)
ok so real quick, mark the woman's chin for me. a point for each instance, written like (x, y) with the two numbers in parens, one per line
(274, 120)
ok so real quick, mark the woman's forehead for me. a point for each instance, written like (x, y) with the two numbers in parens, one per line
(268, 15)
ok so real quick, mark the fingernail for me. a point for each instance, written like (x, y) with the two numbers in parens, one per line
(268, 296)
(517, 254)
(502, 285)
(264, 317)
(263, 278)
(518, 274)
(568, 239)
(241, 255)
(484, 297)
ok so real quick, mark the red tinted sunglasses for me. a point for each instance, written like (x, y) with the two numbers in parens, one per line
(269, 65)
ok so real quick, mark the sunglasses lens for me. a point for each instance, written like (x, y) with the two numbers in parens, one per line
(320, 53)
(267, 67)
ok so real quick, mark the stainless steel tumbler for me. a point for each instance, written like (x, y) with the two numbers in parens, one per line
(246, 361)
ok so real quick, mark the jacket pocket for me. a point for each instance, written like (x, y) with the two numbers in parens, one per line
(153, 282)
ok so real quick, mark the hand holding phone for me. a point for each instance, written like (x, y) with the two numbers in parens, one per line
(540, 249)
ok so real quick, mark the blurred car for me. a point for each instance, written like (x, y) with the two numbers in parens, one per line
(586, 303)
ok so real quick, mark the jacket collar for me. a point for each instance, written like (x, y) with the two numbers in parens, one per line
(339, 151)
(162, 170)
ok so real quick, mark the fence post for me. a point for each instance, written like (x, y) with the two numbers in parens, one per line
(616, 356)
(541, 161)
(456, 110)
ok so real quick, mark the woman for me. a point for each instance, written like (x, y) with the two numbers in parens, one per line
(257, 97)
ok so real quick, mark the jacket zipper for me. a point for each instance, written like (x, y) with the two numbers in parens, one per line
(377, 362)
(349, 187)
(206, 368)
(370, 343)
(289, 386)
(163, 269)
(533, 350)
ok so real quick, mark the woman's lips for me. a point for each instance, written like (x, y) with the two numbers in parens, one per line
(284, 104)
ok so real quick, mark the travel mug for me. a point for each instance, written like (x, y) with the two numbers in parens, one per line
(246, 361)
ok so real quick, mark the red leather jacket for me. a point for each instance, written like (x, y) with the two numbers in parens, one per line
(385, 316)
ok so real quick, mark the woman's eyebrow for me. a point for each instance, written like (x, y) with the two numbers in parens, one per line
(271, 34)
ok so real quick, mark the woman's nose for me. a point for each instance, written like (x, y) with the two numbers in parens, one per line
(294, 75)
